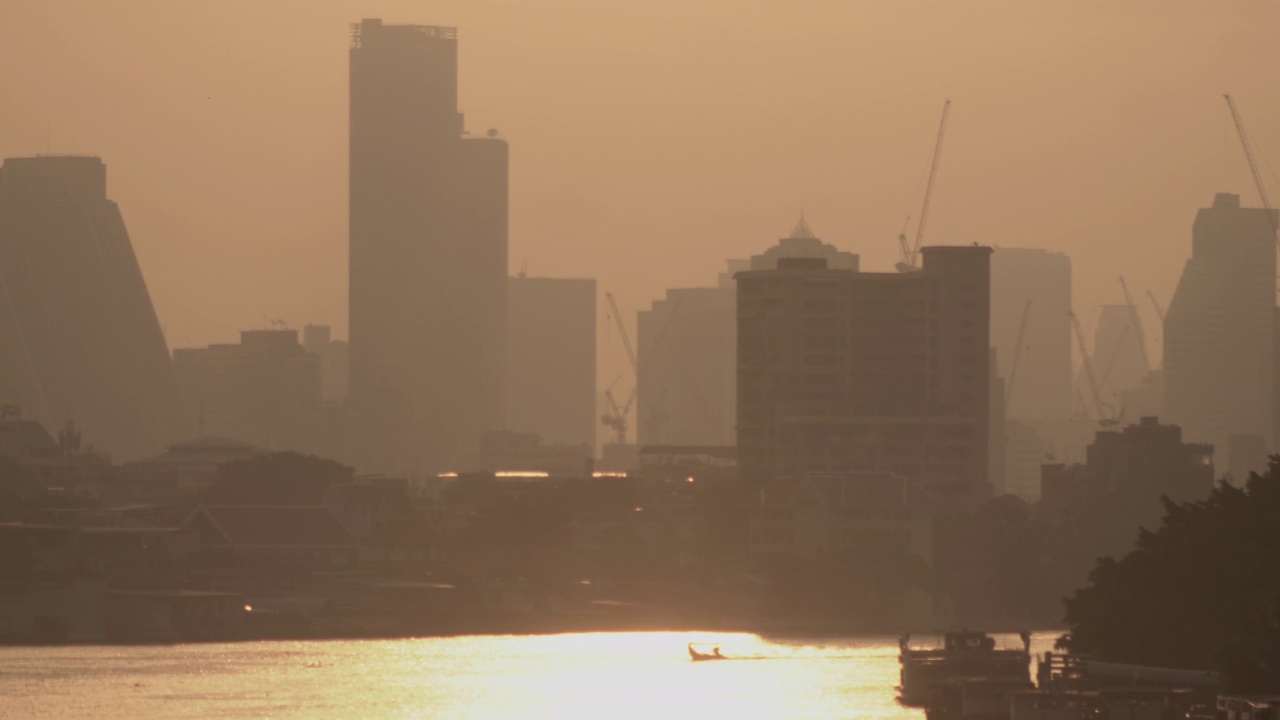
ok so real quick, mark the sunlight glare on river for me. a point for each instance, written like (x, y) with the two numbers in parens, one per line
(591, 676)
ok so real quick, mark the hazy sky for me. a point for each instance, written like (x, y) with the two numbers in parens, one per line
(652, 140)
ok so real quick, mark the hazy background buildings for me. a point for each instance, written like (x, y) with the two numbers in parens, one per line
(79, 338)
(250, 144)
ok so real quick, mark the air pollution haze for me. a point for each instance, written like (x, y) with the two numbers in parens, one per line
(652, 141)
(577, 345)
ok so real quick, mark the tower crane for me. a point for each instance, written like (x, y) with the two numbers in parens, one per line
(1136, 323)
(1156, 304)
(1088, 371)
(911, 253)
(1017, 353)
(616, 418)
(1253, 165)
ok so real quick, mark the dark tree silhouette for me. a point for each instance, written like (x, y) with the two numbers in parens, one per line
(1201, 592)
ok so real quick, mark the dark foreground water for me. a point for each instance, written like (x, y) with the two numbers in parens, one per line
(597, 676)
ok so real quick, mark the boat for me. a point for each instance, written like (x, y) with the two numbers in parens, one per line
(965, 655)
(698, 656)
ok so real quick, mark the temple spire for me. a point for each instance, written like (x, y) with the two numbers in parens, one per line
(802, 230)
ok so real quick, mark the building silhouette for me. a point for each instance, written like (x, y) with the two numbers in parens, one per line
(551, 368)
(266, 390)
(79, 338)
(1220, 333)
(687, 349)
(428, 255)
(1042, 385)
(334, 361)
(843, 372)
(1119, 364)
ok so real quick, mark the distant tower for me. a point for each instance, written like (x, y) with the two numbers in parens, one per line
(78, 335)
(1220, 332)
(428, 256)
(1043, 278)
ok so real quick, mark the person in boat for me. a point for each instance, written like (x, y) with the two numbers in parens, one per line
(716, 651)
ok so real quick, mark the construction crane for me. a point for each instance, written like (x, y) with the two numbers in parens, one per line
(911, 253)
(1088, 369)
(1253, 165)
(1017, 353)
(1136, 323)
(1156, 304)
(616, 418)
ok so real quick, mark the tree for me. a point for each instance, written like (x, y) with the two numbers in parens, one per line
(1201, 592)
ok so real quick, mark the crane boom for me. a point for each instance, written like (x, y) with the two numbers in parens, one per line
(1156, 303)
(911, 255)
(1088, 366)
(1248, 155)
(1017, 353)
(622, 331)
(1137, 324)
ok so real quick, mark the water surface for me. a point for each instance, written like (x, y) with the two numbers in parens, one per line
(596, 676)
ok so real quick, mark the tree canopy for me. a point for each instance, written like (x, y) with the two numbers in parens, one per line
(1200, 592)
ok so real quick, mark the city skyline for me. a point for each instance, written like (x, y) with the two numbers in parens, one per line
(1046, 152)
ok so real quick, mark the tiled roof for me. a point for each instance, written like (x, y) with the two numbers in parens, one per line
(304, 491)
(265, 526)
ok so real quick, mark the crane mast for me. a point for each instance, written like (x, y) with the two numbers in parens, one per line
(911, 254)
(616, 419)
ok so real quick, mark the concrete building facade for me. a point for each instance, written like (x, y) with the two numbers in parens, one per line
(79, 338)
(266, 390)
(428, 256)
(1220, 331)
(551, 367)
(686, 346)
(842, 372)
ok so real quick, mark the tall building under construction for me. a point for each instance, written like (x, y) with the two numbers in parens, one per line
(79, 338)
(1220, 335)
(428, 256)
(842, 372)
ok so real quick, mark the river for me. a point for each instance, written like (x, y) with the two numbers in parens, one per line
(604, 676)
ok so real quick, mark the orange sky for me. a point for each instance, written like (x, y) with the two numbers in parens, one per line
(652, 140)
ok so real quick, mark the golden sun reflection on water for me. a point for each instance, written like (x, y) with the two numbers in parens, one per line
(590, 676)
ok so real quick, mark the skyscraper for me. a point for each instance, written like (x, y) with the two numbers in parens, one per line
(843, 372)
(1220, 331)
(79, 338)
(428, 255)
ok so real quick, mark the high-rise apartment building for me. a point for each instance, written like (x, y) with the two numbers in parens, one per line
(1220, 331)
(842, 372)
(1042, 384)
(687, 350)
(428, 256)
(79, 338)
(551, 368)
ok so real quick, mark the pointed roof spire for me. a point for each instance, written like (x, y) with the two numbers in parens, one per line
(802, 230)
